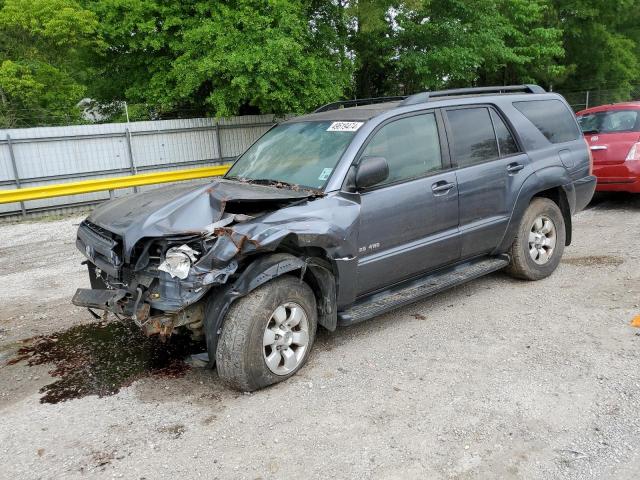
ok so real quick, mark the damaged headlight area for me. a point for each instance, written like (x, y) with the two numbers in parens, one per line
(178, 261)
(186, 263)
(160, 286)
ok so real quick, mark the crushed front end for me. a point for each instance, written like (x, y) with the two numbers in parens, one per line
(155, 255)
(159, 284)
(180, 255)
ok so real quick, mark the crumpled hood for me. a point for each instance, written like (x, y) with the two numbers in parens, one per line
(182, 208)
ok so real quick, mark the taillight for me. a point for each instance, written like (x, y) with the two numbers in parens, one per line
(590, 157)
(634, 153)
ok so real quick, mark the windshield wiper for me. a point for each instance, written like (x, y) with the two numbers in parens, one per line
(590, 132)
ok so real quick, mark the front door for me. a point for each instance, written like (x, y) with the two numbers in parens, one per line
(409, 223)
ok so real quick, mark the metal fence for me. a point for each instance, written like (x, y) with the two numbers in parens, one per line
(47, 155)
(582, 99)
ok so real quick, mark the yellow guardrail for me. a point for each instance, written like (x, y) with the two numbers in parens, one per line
(113, 183)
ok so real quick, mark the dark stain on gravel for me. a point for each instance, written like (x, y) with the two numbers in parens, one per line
(593, 260)
(174, 431)
(100, 358)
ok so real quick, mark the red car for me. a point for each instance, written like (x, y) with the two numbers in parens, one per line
(613, 134)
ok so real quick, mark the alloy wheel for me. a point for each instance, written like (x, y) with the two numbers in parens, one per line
(542, 239)
(286, 338)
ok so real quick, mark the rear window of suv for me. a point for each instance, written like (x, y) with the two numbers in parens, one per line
(610, 122)
(552, 117)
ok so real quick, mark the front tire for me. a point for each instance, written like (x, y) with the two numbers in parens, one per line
(539, 244)
(267, 335)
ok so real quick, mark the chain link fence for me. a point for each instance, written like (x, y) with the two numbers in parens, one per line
(582, 99)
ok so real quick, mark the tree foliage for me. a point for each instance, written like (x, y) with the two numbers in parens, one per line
(215, 57)
(456, 43)
(221, 57)
(43, 51)
(601, 40)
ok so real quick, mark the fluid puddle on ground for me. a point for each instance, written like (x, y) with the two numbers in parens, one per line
(100, 358)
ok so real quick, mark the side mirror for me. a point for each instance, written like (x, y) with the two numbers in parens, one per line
(371, 171)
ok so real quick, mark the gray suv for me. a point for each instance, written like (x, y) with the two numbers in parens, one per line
(338, 216)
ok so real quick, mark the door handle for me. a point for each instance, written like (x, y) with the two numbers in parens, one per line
(599, 147)
(515, 167)
(442, 187)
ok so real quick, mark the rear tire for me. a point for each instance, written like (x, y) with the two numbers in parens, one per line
(267, 335)
(539, 243)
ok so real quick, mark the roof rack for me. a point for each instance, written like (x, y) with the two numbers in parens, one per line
(356, 103)
(426, 96)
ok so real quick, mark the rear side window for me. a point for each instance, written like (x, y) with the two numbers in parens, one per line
(474, 140)
(410, 145)
(554, 120)
(610, 122)
(506, 142)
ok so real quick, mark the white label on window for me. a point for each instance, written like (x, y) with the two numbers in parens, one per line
(325, 174)
(344, 126)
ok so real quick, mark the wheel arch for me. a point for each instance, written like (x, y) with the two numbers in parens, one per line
(552, 183)
(558, 196)
(317, 271)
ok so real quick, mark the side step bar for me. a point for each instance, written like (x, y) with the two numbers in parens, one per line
(418, 289)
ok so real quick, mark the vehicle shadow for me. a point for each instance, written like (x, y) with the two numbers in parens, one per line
(615, 201)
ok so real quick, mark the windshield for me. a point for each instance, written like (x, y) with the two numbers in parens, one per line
(303, 153)
(610, 122)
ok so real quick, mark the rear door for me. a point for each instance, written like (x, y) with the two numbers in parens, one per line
(489, 165)
(409, 223)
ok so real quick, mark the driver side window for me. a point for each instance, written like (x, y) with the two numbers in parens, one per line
(410, 145)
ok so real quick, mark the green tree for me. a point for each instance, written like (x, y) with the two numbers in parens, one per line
(222, 58)
(406, 46)
(530, 47)
(467, 42)
(204, 57)
(43, 54)
(373, 46)
(601, 40)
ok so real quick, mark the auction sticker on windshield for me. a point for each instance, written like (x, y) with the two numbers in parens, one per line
(344, 126)
(325, 174)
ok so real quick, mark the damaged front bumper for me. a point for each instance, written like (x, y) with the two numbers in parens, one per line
(115, 301)
(122, 303)
(155, 294)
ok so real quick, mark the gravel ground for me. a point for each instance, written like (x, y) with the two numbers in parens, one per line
(495, 379)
